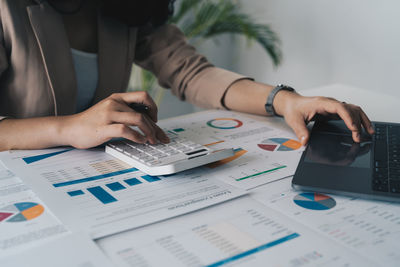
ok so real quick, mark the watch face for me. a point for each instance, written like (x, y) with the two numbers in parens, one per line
(285, 87)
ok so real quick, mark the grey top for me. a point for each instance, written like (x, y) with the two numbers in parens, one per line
(87, 77)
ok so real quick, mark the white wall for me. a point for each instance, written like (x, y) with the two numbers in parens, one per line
(355, 42)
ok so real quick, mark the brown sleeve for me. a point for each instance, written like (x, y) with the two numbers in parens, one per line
(166, 53)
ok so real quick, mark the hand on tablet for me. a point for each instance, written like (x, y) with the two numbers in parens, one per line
(299, 110)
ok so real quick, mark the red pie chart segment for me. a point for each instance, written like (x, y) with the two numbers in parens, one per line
(20, 212)
(4, 215)
(279, 144)
(314, 201)
(267, 147)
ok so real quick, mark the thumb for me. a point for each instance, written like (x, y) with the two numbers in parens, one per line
(299, 127)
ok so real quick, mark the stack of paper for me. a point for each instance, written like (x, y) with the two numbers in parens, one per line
(240, 211)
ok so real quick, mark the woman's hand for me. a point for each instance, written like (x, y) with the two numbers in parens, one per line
(299, 110)
(111, 118)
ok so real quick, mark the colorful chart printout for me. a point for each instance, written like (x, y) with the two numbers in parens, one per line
(279, 144)
(225, 123)
(21, 212)
(314, 201)
(238, 153)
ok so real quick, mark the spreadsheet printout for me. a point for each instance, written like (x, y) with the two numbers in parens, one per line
(370, 228)
(241, 232)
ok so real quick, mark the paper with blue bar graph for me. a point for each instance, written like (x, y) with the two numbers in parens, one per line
(265, 148)
(92, 191)
(241, 232)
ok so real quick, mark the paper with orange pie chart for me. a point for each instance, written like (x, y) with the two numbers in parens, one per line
(265, 148)
(25, 221)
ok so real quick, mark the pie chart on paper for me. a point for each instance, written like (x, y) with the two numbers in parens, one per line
(20, 212)
(279, 144)
(314, 201)
(224, 123)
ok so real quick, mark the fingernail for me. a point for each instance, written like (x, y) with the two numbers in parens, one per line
(303, 140)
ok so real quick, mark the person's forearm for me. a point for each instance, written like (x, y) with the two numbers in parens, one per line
(34, 133)
(249, 96)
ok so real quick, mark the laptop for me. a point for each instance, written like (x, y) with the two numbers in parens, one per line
(333, 163)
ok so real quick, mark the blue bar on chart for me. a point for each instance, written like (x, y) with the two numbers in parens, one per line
(101, 194)
(150, 178)
(75, 193)
(115, 186)
(94, 178)
(132, 181)
(33, 159)
(178, 130)
(254, 250)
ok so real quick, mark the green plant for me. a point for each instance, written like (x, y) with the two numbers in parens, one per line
(204, 19)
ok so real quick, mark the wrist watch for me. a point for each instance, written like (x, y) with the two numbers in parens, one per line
(270, 100)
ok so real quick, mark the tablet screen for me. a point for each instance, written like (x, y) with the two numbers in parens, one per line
(338, 150)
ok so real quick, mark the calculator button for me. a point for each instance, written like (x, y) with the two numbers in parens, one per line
(395, 186)
(153, 162)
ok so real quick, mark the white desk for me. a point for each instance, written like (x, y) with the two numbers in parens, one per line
(313, 234)
(378, 106)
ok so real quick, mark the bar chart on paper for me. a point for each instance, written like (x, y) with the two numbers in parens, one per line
(105, 193)
(91, 190)
(36, 158)
(111, 177)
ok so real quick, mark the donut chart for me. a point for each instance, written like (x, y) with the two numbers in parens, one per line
(224, 123)
(279, 144)
(314, 201)
(20, 212)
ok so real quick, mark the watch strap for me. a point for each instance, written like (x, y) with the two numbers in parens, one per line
(270, 100)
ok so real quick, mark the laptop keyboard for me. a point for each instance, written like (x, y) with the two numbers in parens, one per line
(386, 177)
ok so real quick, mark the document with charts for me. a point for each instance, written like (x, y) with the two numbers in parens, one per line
(370, 228)
(90, 190)
(25, 221)
(265, 148)
(73, 250)
(240, 232)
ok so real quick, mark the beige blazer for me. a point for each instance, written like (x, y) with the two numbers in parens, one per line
(37, 76)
